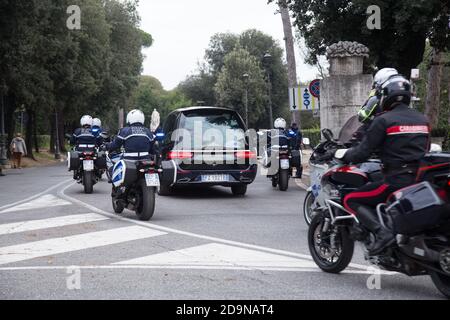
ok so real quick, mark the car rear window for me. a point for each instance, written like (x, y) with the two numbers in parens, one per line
(211, 129)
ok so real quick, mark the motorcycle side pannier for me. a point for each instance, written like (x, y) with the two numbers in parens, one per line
(416, 209)
(73, 160)
(124, 173)
(100, 163)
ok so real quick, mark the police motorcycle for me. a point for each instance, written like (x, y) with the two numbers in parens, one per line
(87, 162)
(419, 215)
(278, 158)
(134, 182)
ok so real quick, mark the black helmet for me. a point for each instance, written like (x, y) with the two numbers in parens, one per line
(369, 110)
(394, 91)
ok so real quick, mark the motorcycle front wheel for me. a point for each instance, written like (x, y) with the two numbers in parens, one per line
(88, 182)
(308, 213)
(146, 206)
(332, 249)
(441, 282)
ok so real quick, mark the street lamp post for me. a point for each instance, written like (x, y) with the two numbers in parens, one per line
(246, 77)
(267, 60)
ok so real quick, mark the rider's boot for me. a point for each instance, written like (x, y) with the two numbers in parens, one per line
(383, 237)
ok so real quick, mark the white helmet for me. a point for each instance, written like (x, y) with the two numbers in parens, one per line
(383, 75)
(96, 122)
(86, 121)
(280, 123)
(135, 116)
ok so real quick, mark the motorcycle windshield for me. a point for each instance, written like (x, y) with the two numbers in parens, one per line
(349, 129)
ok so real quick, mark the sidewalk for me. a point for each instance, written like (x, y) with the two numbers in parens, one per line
(43, 159)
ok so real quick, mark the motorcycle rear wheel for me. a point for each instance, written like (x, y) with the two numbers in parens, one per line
(441, 282)
(327, 258)
(284, 179)
(117, 206)
(146, 207)
(88, 182)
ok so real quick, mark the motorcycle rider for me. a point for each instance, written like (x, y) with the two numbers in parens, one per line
(83, 138)
(136, 139)
(296, 142)
(402, 135)
(371, 107)
(279, 132)
(97, 127)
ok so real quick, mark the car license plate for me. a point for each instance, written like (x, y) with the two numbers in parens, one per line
(88, 165)
(284, 164)
(216, 178)
(152, 180)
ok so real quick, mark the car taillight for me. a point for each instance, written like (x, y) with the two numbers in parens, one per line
(180, 155)
(246, 155)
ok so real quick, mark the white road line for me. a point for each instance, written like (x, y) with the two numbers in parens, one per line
(221, 255)
(49, 247)
(34, 196)
(62, 194)
(32, 225)
(45, 201)
(165, 267)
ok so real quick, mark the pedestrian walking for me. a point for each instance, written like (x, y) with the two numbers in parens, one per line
(18, 150)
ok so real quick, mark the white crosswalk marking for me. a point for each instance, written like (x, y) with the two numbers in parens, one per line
(45, 201)
(33, 225)
(220, 255)
(48, 247)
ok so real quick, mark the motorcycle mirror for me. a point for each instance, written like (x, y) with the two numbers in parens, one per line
(306, 141)
(328, 134)
(68, 136)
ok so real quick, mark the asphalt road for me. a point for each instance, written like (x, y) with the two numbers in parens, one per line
(58, 243)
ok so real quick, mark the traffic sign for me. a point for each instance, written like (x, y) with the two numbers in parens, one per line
(314, 88)
(293, 99)
(303, 99)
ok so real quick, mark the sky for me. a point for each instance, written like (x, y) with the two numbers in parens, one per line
(181, 30)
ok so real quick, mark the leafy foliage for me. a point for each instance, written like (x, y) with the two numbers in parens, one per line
(204, 85)
(405, 25)
(47, 68)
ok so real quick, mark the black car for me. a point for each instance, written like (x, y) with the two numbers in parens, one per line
(206, 146)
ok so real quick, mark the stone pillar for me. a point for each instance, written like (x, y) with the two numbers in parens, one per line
(347, 88)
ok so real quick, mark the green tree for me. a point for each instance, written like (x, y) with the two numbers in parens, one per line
(150, 95)
(231, 85)
(405, 25)
(199, 87)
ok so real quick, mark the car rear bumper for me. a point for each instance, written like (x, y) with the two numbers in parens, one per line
(174, 175)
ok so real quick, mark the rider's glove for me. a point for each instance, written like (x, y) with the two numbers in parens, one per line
(340, 153)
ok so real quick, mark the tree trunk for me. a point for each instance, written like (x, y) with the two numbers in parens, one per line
(29, 134)
(51, 119)
(433, 100)
(290, 52)
(10, 120)
(35, 136)
(62, 145)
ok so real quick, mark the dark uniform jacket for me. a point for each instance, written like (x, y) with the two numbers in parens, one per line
(83, 138)
(402, 137)
(137, 141)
